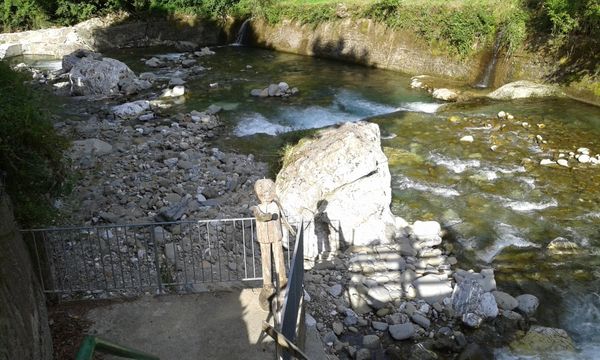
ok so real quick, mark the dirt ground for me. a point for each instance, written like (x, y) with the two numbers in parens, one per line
(211, 325)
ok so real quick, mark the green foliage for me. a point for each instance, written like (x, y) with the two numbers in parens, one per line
(31, 153)
(18, 15)
(570, 17)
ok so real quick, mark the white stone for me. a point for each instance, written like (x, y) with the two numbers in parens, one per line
(583, 150)
(563, 162)
(131, 109)
(174, 92)
(489, 307)
(424, 230)
(501, 114)
(528, 304)
(584, 159)
(432, 288)
(340, 174)
(546, 162)
(467, 138)
(444, 94)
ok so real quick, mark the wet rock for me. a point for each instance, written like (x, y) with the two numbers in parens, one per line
(154, 62)
(561, 245)
(528, 304)
(543, 340)
(176, 91)
(402, 331)
(524, 89)
(444, 94)
(467, 138)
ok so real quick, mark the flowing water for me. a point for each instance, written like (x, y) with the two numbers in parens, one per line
(501, 208)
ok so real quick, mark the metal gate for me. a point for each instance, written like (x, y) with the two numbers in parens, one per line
(112, 260)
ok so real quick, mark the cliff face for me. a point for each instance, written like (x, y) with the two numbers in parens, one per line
(24, 331)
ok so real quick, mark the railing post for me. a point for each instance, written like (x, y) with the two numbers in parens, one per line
(156, 260)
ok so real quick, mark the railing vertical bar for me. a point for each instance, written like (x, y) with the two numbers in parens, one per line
(244, 250)
(49, 248)
(212, 279)
(112, 262)
(66, 263)
(156, 260)
(175, 278)
(137, 256)
(99, 240)
(201, 253)
(233, 250)
(77, 280)
(38, 261)
(148, 260)
(85, 265)
(253, 252)
(128, 259)
(184, 256)
(190, 231)
(124, 286)
(218, 245)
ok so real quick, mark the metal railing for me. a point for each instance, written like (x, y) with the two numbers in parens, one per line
(110, 260)
(292, 316)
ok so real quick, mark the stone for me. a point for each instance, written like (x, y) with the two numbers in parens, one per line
(528, 304)
(524, 89)
(469, 297)
(176, 81)
(444, 94)
(283, 87)
(378, 297)
(273, 90)
(371, 341)
(99, 77)
(501, 114)
(488, 305)
(338, 327)
(420, 320)
(174, 212)
(583, 158)
(379, 325)
(69, 60)
(402, 331)
(170, 253)
(546, 162)
(467, 138)
(335, 290)
(339, 179)
(330, 338)
(153, 62)
(363, 354)
(131, 109)
(472, 320)
(256, 92)
(433, 288)
(310, 321)
(91, 147)
(563, 162)
(176, 91)
(543, 340)
(425, 230)
(351, 318)
(561, 245)
(505, 301)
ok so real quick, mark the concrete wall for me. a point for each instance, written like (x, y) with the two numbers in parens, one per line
(24, 331)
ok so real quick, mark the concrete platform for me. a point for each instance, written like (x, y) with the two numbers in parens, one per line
(219, 325)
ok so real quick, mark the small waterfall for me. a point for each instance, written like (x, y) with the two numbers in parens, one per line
(242, 35)
(490, 69)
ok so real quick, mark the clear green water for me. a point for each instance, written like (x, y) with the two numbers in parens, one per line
(500, 208)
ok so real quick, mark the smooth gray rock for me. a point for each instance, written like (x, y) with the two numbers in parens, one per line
(402, 331)
(379, 325)
(371, 341)
(524, 89)
(528, 304)
(91, 147)
(505, 301)
(131, 109)
(99, 77)
(421, 320)
(335, 290)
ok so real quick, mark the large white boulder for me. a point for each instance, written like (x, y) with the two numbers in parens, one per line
(339, 180)
(524, 89)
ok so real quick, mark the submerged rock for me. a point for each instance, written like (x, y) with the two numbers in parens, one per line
(540, 340)
(524, 89)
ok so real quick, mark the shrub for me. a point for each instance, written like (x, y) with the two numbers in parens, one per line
(31, 153)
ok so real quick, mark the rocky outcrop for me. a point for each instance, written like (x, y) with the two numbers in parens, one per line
(524, 89)
(24, 331)
(340, 180)
(111, 32)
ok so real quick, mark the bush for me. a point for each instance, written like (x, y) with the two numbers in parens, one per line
(31, 153)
